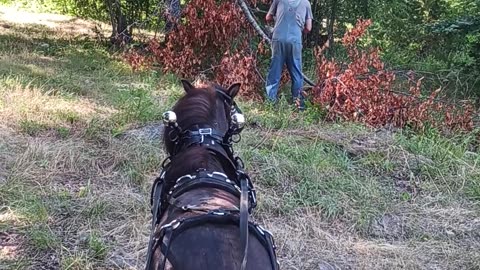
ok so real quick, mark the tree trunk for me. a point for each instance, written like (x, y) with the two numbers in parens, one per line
(121, 32)
(330, 26)
(172, 14)
(316, 26)
(366, 12)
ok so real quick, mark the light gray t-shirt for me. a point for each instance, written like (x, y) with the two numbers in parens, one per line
(290, 17)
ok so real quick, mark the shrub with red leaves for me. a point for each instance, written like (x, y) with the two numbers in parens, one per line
(214, 37)
(237, 65)
(137, 60)
(363, 92)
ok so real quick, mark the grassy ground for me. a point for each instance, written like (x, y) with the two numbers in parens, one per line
(74, 189)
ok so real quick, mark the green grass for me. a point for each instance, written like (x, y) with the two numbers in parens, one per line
(96, 210)
(452, 167)
(97, 246)
(42, 238)
(25, 203)
(75, 262)
(31, 127)
(316, 174)
(71, 70)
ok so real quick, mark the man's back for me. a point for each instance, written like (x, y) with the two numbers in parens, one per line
(290, 19)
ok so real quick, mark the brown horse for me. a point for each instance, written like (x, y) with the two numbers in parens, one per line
(201, 198)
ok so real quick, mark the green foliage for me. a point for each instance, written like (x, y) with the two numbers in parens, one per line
(430, 36)
(53, 6)
(440, 37)
(97, 246)
(42, 238)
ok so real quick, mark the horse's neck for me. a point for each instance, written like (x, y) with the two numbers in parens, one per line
(191, 160)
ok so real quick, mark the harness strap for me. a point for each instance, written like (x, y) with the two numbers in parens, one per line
(156, 194)
(244, 221)
(168, 234)
(198, 135)
(171, 257)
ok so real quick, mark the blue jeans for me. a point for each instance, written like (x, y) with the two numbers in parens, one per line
(289, 53)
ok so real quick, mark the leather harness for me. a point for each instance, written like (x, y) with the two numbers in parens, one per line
(241, 187)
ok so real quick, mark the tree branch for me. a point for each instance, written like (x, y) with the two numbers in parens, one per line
(252, 21)
(261, 32)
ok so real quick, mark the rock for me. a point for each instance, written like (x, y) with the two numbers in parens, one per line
(450, 233)
(388, 226)
(150, 132)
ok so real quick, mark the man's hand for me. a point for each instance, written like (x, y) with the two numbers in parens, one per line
(269, 17)
(308, 26)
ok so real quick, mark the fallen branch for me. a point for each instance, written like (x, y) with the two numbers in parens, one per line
(253, 22)
(261, 32)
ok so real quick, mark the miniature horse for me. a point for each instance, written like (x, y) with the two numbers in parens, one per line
(197, 200)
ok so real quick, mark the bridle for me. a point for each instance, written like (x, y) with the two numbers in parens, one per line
(206, 134)
(240, 186)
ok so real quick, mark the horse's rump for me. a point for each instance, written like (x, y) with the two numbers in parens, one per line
(209, 246)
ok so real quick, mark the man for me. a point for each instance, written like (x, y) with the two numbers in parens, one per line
(292, 17)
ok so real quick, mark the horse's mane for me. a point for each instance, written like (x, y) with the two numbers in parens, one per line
(196, 107)
(188, 161)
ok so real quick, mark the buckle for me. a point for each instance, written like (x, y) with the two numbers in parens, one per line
(173, 224)
(205, 131)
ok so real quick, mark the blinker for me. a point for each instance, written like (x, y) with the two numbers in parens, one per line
(238, 119)
(169, 117)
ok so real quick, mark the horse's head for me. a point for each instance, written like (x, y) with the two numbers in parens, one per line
(206, 111)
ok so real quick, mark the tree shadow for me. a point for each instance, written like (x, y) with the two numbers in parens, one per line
(79, 66)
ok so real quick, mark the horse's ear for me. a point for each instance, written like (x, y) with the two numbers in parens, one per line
(187, 85)
(233, 90)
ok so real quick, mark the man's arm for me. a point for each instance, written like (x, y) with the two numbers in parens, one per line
(308, 19)
(308, 26)
(272, 11)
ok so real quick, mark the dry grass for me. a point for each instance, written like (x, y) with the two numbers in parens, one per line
(33, 111)
(73, 195)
